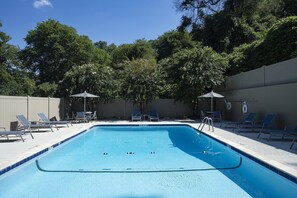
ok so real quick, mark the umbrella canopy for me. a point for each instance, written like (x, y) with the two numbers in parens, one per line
(85, 95)
(211, 95)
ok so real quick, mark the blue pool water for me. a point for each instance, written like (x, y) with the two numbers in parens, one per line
(143, 161)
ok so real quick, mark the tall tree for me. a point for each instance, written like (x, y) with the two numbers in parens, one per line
(282, 35)
(104, 46)
(94, 78)
(194, 11)
(192, 71)
(140, 49)
(13, 80)
(52, 49)
(171, 42)
(140, 81)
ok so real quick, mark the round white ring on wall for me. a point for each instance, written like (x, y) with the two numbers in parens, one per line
(228, 106)
(244, 107)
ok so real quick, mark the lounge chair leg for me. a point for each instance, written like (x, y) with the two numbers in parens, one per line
(22, 138)
(293, 142)
(31, 134)
(30, 131)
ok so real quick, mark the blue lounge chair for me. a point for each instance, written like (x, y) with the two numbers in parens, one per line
(136, 115)
(293, 142)
(279, 133)
(9, 133)
(265, 124)
(26, 125)
(154, 115)
(45, 120)
(80, 117)
(248, 120)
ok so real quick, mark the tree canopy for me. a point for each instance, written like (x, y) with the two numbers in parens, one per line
(140, 80)
(13, 80)
(94, 78)
(53, 48)
(192, 71)
(172, 42)
(140, 49)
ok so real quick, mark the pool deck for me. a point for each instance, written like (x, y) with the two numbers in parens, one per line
(273, 152)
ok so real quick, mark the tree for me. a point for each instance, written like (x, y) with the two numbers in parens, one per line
(171, 42)
(278, 45)
(223, 32)
(13, 80)
(141, 49)
(193, 71)
(53, 49)
(46, 89)
(140, 81)
(196, 10)
(94, 78)
(225, 24)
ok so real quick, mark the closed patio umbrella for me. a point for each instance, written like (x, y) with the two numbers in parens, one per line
(211, 95)
(85, 95)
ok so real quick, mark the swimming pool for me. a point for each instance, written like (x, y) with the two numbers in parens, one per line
(143, 161)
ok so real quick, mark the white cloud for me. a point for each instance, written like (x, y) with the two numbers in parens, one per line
(42, 3)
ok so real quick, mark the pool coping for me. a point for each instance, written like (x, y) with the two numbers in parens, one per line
(243, 151)
(259, 159)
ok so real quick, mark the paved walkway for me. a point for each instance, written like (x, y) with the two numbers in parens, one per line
(276, 153)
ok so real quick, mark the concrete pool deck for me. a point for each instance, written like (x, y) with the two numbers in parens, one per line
(274, 152)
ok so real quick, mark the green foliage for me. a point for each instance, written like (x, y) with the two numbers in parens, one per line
(52, 49)
(172, 42)
(46, 89)
(140, 80)
(192, 71)
(225, 24)
(93, 78)
(223, 32)
(241, 58)
(279, 44)
(195, 11)
(103, 45)
(141, 49)
(13, 81)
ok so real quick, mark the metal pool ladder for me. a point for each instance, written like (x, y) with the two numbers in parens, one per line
(208, 121)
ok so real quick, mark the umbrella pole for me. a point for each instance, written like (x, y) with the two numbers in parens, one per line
(211, 106)
(85, 109)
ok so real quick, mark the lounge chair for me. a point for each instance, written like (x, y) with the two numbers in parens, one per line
(45, 120)
(279, 133)
(293, 142)
(26, 125)
(202, 115)
(217, 116)
(136, 115)
(93, 116)
(80, 117)
(8, 133)
(154, 115)
(265, 124)
(248, 120)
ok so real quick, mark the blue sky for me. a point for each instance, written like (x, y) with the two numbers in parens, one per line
(113, 21)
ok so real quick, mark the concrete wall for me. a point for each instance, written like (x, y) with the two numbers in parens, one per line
(10, 106)
(121, 109)
(269, 89)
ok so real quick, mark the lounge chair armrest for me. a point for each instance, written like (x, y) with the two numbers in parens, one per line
(258, 122)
